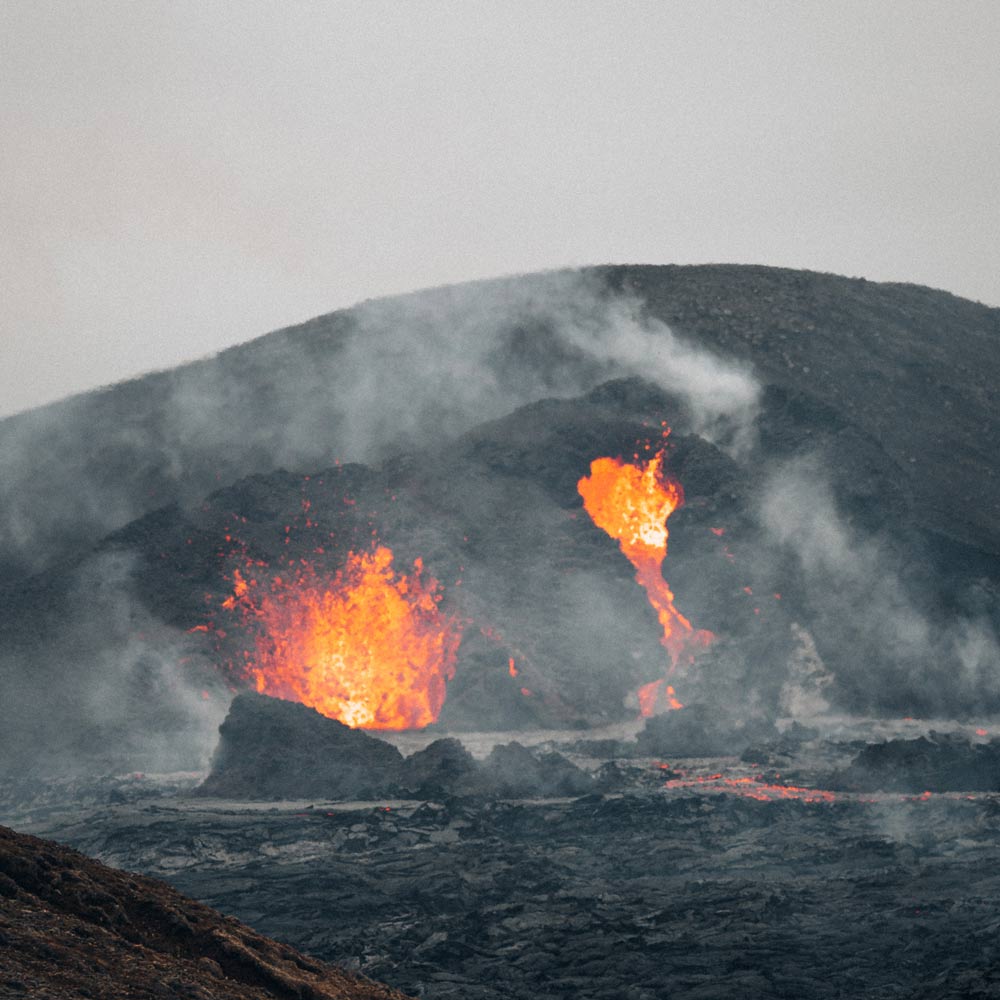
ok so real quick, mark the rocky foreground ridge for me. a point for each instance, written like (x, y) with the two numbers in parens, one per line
(72, 927)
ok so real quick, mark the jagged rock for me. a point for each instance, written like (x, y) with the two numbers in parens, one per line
(439, 768)
(274, 749)
(513, 771)
(604, 748)
(772, 753)
(939, 762)
(699, 731)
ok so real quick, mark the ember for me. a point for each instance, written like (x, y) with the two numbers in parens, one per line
(631, 502)
(367, 646)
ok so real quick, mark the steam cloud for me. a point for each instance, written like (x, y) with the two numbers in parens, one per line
(107, 679)
(895, 646)
(358, 385)
(385, 377)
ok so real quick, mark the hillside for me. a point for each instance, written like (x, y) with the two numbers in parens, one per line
(72, 927)
(834, 442)
(913, 368)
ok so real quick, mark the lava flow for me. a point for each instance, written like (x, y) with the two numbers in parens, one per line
(755, 787)
(631, 502)
(367, 646)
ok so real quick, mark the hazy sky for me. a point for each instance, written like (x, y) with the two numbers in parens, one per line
(179, 176)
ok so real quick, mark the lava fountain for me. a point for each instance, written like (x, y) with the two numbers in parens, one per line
(631, 503)
(368, 646)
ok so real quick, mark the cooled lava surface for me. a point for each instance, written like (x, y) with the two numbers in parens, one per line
(641, 877)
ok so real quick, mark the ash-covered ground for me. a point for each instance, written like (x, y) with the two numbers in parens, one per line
(690, 877)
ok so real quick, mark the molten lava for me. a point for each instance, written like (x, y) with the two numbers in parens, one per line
(749, 787)
(367, 646)
(656, 697)
(631, 502)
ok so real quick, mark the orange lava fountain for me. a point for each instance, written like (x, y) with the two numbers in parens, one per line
(367, 646)
(631, 502)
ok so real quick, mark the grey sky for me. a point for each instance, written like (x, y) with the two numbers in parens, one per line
(179, 176)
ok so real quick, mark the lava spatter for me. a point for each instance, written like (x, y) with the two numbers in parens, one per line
(631, 502)
(365, 645)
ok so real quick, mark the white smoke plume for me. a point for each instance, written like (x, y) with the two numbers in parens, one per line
(895, 645)
(358, 385)
(104, 687)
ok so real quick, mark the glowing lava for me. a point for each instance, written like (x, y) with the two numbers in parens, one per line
(367, 646)
(656, 694)
(631, 502)
(750, 787)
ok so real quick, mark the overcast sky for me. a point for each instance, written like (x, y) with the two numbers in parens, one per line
(179, 176)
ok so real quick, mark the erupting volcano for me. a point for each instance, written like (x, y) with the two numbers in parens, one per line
(368, 646)
(631, 503)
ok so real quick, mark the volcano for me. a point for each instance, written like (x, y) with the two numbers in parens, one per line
(832, 447)
(619, 570)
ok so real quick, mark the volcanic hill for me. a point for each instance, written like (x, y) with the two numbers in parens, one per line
(834, 441)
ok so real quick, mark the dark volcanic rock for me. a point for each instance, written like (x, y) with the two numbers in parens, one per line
(72, 927)
(939, 762)
(603, 748)
(699, 731)
(664, 893)
(513, 771)
(275, 749)
(438, 769)
(772, 752)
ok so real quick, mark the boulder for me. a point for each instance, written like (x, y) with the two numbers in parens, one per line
(274, 749)
(513, 771)
(438, 769)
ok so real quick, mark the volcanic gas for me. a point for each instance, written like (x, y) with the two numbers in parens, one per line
(631, 502)
(366, 645)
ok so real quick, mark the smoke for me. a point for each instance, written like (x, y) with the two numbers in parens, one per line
(722, 398)
(803, 694)
(440, 361)
(387, 376)
(107, 687)
(894, 645)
